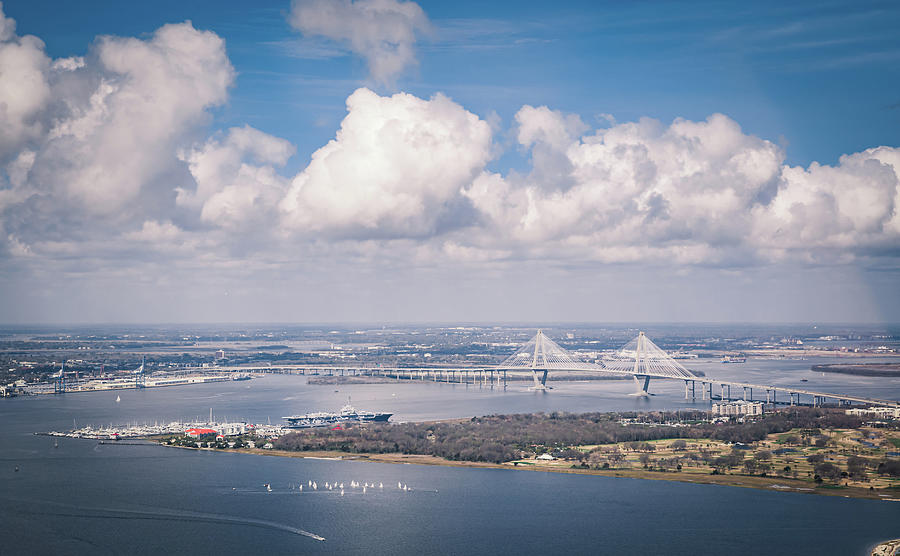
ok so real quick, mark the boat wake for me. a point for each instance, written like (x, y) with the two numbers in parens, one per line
(164, 514)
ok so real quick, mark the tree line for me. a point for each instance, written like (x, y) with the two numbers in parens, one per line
(502, 438)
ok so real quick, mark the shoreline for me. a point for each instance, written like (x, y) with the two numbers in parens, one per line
(779, 484)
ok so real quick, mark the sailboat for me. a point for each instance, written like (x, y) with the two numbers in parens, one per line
(118, 399)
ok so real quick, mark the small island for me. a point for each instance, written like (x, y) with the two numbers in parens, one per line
(861, 369)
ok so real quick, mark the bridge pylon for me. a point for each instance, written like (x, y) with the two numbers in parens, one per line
(540, 355)
(643, 359)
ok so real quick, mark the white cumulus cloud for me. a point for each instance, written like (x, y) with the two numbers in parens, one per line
(236, 179)
(89, 145)
(24, 87)
(687, 193)
(851, 206)
(383, 32)
(150, 95)
(395, 169)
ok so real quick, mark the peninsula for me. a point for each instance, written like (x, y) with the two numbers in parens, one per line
(811, 450)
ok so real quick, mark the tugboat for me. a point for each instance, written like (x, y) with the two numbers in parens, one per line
(347, 414)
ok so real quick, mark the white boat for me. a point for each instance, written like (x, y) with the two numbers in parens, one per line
(118, 399)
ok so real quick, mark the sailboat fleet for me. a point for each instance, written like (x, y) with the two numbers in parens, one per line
(334, 485)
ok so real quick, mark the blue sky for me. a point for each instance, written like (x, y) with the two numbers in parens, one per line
(576, 144)
(822, 78)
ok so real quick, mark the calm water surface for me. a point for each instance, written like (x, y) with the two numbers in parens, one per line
(85, 498)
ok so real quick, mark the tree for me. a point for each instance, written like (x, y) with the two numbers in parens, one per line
(890, 467)
(679, 445)
(828, 470)
(763, 455)
(856, 466)
(616, 457)
(815, 458)
(792, 439)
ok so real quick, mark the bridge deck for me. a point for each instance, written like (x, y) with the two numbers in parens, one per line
(580, 368)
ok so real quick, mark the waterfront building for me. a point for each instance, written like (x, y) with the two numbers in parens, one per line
(880, 412)
(740, 407)
(198, 432)
(231, 429)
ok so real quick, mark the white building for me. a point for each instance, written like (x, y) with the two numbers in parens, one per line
(739, 407)
(879, 412)
(231, 429)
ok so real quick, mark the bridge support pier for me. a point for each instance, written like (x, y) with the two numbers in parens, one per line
(540, 383)
(642, 389)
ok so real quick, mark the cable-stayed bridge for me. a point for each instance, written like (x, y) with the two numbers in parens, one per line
(640, 359)
(643, 360)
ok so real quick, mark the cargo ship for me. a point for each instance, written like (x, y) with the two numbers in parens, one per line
(734, 358)
(347, 414)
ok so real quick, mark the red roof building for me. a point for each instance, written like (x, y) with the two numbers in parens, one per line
(196, 433)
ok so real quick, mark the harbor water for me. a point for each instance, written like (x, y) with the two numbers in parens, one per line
(82, 497)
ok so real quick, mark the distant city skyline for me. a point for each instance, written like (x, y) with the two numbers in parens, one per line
(387, 161)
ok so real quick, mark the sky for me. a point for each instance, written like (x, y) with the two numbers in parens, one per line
(390, 161)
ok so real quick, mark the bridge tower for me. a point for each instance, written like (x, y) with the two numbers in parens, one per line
(539, 362)
(643, 359)
(639, 350)
(540, 355)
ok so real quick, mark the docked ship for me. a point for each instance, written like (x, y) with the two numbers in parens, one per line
(734, 358)
(347, 414)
